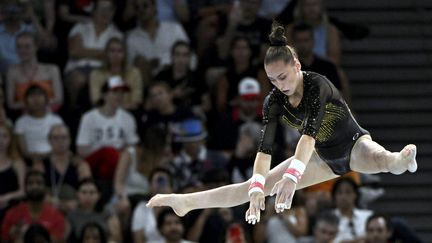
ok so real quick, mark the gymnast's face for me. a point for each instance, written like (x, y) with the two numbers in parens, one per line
(286, 77)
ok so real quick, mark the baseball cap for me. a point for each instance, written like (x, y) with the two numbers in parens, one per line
(189, 130)
(249, 88)
(115, 83)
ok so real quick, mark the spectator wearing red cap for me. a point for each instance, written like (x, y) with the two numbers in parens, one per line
(105, 130)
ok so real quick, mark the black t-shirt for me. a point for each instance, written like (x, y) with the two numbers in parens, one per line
(190, 82)
(321, 114)
(325, 68)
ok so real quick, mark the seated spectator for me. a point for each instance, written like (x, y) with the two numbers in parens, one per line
(243, 21)
(93, 233)
(4, 119)
(150, 43)
(187, 89)
(352, 220)
(12, 171)
(131, 177)
(378, 229)
(326, 36)
(37, 233)
(324, 230)
(62, 168)
(87, 211)
(144, 220)
(115, 64)
(105, 130)
(240, 165)
(30, 71)
(303, 41)
(193, 158)
(160, 110)
(33, 210)
(239, 66)
(11, 25)
(171, 227)
(32, 128)
(86, 44)
(287, 227)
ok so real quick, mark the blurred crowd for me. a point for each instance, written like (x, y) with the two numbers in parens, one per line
(104, 103)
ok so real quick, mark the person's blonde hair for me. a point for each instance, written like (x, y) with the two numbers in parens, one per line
(12, 150)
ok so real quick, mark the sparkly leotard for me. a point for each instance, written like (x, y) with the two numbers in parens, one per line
(322, 114)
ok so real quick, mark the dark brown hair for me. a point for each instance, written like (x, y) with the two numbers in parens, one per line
(279, 48)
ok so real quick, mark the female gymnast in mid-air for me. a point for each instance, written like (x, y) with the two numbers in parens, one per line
(332, 142)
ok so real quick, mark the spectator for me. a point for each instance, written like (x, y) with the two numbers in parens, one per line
(241, 163)
(42, 15)
(33, 210)
(149, 44)
(352, 220)
(93, 233)
(187, 89)
(326, 36)
(86, 45)
(36, 233)
(193, 159)
(4, 119)
(160, 110)
(12, 171)
(289, 226)
(105, 130)
(30, 71)
(33, 127)
(62, 168)
(131, 177)
(224, 126)
(171, 227)
(144, 223)
(238, 66)
(115, 64)
(243, 21)
(378, 229)
(12, 24)
(324, 230)
(87, 211)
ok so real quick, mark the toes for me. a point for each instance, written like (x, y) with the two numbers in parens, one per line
(412, 166)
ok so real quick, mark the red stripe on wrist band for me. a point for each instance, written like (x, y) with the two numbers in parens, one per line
(294, 172)
(256, 184)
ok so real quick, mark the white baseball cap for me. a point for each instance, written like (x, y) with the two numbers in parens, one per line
(249, 88)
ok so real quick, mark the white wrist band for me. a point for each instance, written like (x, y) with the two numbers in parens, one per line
(257, 184)
(295, 170)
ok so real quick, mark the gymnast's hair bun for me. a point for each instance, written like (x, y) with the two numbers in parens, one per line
(277, 36)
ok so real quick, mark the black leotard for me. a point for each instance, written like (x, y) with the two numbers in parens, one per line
(322, 114)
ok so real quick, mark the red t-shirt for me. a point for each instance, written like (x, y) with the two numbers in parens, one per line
(50, 218)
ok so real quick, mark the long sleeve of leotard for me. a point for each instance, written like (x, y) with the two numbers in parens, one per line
(271, 114)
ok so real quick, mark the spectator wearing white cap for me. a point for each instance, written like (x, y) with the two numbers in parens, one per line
(105, 130)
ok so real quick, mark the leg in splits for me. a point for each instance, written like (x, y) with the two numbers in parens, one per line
(369, 157)
(232, 195)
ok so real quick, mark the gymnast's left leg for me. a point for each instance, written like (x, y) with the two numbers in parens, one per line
(369, 157)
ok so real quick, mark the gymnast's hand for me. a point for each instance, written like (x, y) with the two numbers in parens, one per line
(257, 203)
(284, 190)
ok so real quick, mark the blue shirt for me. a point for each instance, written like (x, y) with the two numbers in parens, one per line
(8, 54)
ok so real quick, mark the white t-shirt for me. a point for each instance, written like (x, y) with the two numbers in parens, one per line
(139, 42)
(358, 222)
(100, 131)
(36, 130)
(135, 182)
(144, 219)
(90, 40)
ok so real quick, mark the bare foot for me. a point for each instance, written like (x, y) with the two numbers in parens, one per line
(406, 160)
(409, 154)
(171, 200)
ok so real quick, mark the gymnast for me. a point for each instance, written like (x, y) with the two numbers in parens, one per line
(332, 143)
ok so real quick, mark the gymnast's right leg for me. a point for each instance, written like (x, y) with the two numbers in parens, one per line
(236, 194)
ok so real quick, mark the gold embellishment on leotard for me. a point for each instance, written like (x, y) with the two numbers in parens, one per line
(332, 115)
(297, 123)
